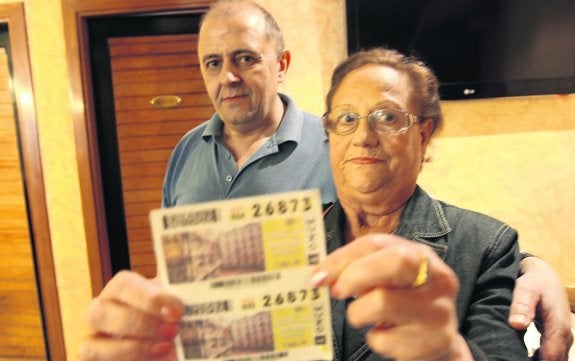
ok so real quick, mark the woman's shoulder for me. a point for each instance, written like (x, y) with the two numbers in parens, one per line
(479, 231)
(459, 214)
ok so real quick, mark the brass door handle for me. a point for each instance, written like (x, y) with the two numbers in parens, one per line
(166, 101)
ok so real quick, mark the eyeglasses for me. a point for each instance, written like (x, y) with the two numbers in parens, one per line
(384, 121)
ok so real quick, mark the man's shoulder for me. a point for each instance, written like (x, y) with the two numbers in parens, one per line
(313, 127)
(191, 140)
(294, 109)
(309, 117)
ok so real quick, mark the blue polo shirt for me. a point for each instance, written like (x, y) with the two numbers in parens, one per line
(296, 157)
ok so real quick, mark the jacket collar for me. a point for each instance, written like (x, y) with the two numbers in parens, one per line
(423, 220)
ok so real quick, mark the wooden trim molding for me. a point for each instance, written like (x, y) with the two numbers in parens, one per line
(13, 14)
(75, 14)
(110, 7)
(571, 294)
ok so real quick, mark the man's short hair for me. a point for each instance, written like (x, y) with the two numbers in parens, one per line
(231, 7)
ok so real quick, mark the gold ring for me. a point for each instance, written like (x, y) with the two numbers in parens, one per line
(422, 273)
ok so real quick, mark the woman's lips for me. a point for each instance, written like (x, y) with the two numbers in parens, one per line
(365, 160)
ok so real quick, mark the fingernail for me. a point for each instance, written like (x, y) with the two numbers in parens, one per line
(170, 314)
(318, 277)
(519, 319)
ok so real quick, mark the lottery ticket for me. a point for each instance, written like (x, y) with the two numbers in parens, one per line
(242, 268)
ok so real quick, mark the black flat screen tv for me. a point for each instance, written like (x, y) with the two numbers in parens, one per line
(477, 48)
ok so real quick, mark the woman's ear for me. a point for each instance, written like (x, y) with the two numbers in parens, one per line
(426, 131)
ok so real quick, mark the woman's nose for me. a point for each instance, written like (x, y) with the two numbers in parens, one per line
(364, 135)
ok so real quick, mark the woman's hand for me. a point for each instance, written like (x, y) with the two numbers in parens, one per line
(409, 321)
(132, 319)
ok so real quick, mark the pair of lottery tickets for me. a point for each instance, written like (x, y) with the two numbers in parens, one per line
(242, 267)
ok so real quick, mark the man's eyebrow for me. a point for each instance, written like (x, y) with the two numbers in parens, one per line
(230, 54)
(209, 57)
(243, 51)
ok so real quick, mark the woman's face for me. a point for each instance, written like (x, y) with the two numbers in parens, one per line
(368, 163)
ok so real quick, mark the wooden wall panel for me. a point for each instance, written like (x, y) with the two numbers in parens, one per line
(143, 68)
(21, 330)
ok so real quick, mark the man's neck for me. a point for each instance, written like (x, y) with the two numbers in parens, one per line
(243, 142)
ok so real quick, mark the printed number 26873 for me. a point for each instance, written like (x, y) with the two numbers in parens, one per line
(281, 207)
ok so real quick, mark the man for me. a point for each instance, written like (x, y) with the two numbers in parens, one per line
(257, 142)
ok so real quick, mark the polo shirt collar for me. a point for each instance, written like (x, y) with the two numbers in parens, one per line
(289, 130)
(291, 125)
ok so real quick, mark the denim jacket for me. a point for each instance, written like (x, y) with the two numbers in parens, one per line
(484, 254)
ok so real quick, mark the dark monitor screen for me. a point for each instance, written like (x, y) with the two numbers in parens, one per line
(477, 48)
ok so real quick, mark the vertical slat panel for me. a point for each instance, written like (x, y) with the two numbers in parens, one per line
(21, 331)
(143, 68)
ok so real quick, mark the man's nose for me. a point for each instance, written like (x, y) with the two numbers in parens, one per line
(229, 73)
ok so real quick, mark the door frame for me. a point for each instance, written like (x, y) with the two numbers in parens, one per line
(13, 15)
(76, 13)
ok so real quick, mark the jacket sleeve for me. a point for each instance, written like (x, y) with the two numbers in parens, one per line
(485, 326)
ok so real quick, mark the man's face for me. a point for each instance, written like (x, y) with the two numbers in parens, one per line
(240, 67)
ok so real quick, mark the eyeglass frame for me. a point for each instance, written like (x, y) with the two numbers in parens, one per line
(411, 120)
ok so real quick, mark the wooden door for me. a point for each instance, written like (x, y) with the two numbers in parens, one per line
(158, 96)
(21, 328)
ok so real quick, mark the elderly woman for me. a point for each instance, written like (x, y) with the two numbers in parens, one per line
(415, 278)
